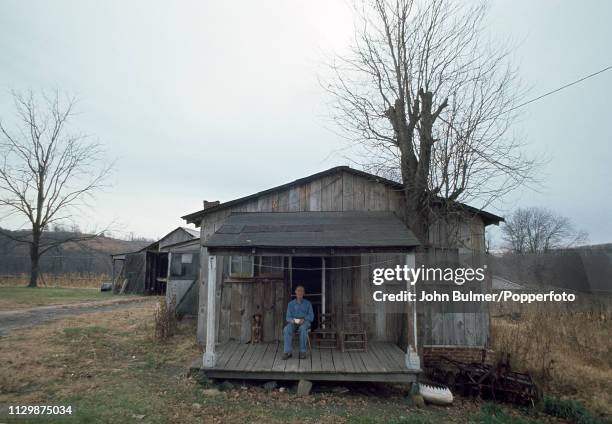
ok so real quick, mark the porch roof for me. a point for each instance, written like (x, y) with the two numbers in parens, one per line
(344, 230)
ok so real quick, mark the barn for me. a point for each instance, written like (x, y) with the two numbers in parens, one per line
(328, 232)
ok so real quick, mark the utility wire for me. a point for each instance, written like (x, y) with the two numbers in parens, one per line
(562, 88)
(326, 268)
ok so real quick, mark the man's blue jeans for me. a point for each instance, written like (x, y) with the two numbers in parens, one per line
(288, 336)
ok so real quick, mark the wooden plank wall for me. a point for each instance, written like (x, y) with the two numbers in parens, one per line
(349, 289)
(468, 234)
(452, 323)
(339, 192)
(135, 271)
(176, 236)
(241, 300)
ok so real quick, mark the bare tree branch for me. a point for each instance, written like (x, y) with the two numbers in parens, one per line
(538, 230)
(425, 100)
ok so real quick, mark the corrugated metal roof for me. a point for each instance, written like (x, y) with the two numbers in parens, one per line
(312, 229)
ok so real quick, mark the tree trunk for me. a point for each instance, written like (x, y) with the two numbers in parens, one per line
(414, 190)
(34, 260)
(416, 214)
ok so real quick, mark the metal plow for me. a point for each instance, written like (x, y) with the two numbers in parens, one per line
(496, 382)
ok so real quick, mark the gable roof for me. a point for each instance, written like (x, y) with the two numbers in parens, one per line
(192, 232)
(168, 247)
(195, 217)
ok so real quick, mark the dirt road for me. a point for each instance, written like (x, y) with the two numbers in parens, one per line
(23, 318)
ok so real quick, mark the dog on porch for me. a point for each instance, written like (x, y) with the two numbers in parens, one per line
(257, 329)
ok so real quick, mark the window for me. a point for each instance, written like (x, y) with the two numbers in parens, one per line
(186, 258)
(270, 266)
(183, 265)
(241, 266)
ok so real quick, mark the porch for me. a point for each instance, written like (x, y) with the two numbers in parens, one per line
(256, 260)
(383, 362)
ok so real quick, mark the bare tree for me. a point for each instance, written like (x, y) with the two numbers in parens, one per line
(539, 230)
(46, 173)
(430, 103)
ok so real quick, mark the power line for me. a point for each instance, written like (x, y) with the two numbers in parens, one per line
(562, 87)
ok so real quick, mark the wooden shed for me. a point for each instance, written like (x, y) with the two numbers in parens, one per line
(328, 232)
(183, 275)
(146, 270)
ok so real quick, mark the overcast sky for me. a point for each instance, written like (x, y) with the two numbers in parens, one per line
(216, 100)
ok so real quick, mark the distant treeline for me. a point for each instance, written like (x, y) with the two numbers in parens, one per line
(583, 269)
(83, 257)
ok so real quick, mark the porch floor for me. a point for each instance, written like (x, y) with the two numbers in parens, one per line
(383, 362)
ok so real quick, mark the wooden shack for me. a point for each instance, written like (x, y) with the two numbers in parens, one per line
(328, 232)
(146, 270)
(183, 275)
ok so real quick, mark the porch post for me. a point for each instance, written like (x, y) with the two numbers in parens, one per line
(290, 276)
(113, 277)
(412, 357)
(210, 358)
(168, 294)
(323, 284)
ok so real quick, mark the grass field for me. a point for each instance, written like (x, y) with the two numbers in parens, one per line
(25, 297)
(66, 280)
(567, 348)
(109, 368)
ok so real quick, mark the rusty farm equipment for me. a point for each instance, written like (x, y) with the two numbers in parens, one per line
(496, 382)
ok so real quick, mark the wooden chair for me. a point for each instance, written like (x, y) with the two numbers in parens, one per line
(325, 336)
(353, 336)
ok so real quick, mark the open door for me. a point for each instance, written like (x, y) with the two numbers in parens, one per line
(307, 271)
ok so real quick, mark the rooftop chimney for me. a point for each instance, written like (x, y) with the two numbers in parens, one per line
(208, 204)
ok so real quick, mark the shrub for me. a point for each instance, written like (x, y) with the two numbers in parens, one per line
(568, 409)
(165, 319)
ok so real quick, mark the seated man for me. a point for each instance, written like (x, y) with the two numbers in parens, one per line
(300, 316)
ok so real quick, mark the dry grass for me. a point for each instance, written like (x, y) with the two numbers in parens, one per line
(567, 348)
(91, 360)
(71, 280)
(109, 367)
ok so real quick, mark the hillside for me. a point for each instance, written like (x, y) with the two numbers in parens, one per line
(83, 257)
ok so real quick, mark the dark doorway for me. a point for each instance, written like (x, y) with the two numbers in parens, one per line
(156, 273)
(306, 271)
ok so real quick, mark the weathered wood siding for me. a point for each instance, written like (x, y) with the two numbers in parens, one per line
(241, 299)
(135, 271)
(465, 232)
(176, 236)
(452, 323)
(349, 289)
(339, 192)
(182, 289)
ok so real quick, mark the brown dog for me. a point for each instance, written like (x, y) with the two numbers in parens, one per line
(256, 329)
